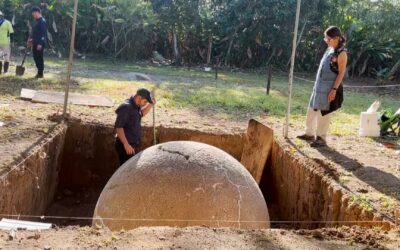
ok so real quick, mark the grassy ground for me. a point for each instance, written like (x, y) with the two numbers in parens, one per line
(360, 164)
(236, 94)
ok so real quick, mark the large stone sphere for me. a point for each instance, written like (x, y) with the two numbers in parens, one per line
(181, 184)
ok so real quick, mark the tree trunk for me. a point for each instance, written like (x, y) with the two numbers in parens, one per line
(364, 67)
(355, 62)
(393, 71)
(115, 38)
(122, 49)
(209, 49)
(175, 46)
(272, 55)
(228, 53)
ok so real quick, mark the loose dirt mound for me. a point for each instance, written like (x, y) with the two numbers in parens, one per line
(353, 234)
(183, 238)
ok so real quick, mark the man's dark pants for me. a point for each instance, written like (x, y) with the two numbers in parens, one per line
(122, 155)
(38, 57)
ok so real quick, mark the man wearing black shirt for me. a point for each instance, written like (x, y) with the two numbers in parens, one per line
(38, 40)
(128, 123)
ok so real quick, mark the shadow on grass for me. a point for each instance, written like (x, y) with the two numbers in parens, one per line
(234, 94)
(233, 100)
(12, 85)
(105, 69)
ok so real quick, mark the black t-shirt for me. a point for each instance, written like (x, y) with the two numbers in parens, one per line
(129, 117)
(39, 32)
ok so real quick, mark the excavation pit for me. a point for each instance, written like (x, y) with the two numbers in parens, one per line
(66, 172)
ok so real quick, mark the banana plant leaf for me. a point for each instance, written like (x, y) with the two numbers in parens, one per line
(390, 122)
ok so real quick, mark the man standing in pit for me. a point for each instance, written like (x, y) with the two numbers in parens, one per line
(38, 40)
(128, 123)
(6, 30)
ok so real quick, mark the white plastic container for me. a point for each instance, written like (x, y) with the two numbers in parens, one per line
(369, 124)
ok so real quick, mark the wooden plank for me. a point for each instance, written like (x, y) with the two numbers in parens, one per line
(27, 94)
(7, 224)
(74, 98)
(257, 148)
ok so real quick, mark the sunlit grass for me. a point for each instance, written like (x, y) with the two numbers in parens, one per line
(232, 94)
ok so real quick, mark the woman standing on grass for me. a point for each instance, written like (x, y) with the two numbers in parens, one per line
(327, 95)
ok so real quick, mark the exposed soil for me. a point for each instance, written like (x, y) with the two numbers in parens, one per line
(362, 166)
(22, 129)
(199, 238)
(71, 205)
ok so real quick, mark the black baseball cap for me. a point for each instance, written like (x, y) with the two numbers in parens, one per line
(145, 94)
(36, 9)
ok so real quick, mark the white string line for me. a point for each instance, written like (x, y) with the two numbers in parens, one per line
(303, 79)
(350, 86)
(21, 163)
(365, 87)
(34, 151)
(43, 217)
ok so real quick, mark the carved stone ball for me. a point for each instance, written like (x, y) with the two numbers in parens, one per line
(181, 184)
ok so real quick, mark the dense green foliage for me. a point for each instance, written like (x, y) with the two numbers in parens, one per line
(237, 33)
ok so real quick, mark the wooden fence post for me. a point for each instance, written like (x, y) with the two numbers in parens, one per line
(216, 69)
(269, 73)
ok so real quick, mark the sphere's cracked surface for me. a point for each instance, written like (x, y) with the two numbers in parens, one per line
(181, 184)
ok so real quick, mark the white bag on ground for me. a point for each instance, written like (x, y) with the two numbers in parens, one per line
(369, 121)
(374, 107)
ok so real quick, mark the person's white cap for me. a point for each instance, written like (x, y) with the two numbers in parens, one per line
(1, 13)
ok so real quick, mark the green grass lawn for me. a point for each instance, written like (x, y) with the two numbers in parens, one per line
(234, 94)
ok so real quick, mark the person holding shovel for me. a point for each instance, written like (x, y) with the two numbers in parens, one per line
(128, 123)
(327, 95)
(6, 30)
(38, 40)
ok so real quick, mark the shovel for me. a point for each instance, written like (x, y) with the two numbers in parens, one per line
(20, 68)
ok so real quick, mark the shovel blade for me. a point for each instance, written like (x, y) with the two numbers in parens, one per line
(20, 70)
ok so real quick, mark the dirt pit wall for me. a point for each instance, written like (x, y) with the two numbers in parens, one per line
(82, 156)
(29, 186)
(303, 194)
(90, 159)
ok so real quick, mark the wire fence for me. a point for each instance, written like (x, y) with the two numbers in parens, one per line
(35, 150)
(356, 86)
